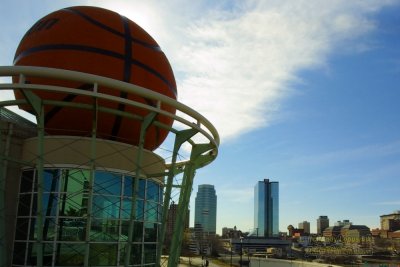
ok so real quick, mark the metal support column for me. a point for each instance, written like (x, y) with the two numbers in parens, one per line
(4, 150)
(91, 181)
(2, 200)
(180, 138)
(37, 106)
(38, 109)
(147, 121)
(196, 159)
(40, 184)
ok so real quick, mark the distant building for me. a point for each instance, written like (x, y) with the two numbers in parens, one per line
(206, 209)
(260, 245)
(231, 232)
(343, 223)
(332, 232)
(355, 233)
(171, 221)
(390, 226)
(266, 208)
(322, 224)
(391, 222)
(305, 226)
(347, 234)
(295, 232)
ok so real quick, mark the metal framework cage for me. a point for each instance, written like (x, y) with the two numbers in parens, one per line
(86, 201)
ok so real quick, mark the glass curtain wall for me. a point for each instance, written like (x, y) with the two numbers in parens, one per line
(274, 208)
(65, 206)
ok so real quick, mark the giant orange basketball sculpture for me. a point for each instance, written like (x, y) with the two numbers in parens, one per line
(98, 41)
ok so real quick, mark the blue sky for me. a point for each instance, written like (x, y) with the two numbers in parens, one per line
(305, 93)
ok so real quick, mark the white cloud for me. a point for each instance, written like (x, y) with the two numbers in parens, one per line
(235, 61)
(235, 67)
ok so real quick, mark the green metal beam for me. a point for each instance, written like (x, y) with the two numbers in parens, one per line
(4, 150)
(184, 198)
(40, 184)
(92, 174)
(180, 138)
(33, 100)
(37, 106)
(196, 158)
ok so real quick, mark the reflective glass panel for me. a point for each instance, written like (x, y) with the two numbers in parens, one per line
(150, 232)
(150, 252)
(107, 183)
(136, 257)
(19, 253)
(137, 231)
(103, 254)
(128, 180)
(104, 230)
(127, 206)
(47, 254)
(50, 178)
(70, 254)
(49, 204)
(24, 204)
(151, 213)
(75, 185)
(153, 191)
(21, 231)
(50, 201)
(105, 206)
(71, 229)
(65, 215)
(142, 188)
(129, 185)
(49, 229)
(26, 181)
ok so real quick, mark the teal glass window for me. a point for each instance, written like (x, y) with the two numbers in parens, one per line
(67, 194)
(106, 183)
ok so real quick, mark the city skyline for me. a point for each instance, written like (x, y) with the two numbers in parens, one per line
(305, 92)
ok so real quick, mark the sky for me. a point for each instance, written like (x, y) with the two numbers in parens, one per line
(305, 92)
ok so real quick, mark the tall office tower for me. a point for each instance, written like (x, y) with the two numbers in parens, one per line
(206, 208)
(322, 224)
(266, 208)
(305, 226)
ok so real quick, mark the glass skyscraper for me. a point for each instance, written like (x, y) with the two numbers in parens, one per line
(266, 208)
(206, 208)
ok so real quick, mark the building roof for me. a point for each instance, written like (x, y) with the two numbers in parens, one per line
(352, 227)
(8, 115)
(22, 127)
(396, 212)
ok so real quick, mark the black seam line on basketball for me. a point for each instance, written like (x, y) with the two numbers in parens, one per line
(113, 31)
(127, 74)
(128, 51)
(92, 50)
(49, 115)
